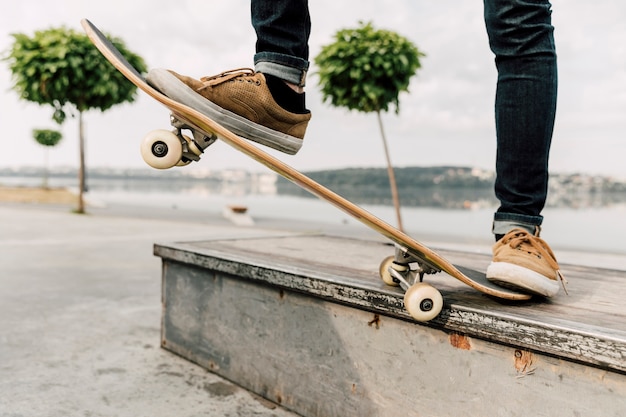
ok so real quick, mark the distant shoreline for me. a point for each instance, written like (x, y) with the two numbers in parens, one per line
(436, 187)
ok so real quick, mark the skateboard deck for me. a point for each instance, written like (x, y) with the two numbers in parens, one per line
(412, 259)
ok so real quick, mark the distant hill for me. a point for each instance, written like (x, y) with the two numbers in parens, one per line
(443, 186)
(454, 187)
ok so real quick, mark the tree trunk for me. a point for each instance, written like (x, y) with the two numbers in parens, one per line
(392, 176)
(81, 169)
(45, 168)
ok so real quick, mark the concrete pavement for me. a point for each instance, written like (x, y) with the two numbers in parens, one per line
(80, 320)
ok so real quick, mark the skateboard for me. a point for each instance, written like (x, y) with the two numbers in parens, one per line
(412, 260)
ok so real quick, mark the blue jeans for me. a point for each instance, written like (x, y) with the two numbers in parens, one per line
(282, 48)
(521, 37)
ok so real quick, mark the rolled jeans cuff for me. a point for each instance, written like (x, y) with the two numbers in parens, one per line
(285, 67)
(503, 223)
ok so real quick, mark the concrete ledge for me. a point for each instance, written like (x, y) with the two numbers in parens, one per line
(304, 321)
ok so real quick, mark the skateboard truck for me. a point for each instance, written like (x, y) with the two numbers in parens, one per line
(200, 140)
(406, 270)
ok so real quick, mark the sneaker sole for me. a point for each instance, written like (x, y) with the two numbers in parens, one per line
(520, 278)
(177, 90)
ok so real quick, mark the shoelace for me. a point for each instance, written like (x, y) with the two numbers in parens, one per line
(517, 238)
(213, 80)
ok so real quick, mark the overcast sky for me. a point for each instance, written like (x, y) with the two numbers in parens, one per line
(447, 118)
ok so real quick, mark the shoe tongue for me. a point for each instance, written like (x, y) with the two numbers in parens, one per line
(518, 237)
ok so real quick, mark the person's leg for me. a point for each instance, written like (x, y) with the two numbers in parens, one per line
(521, 37)
(282, 48)
(266, 105)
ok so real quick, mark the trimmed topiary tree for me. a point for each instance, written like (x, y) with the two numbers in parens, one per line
(366, 69)
(46, 138)
(60, 67)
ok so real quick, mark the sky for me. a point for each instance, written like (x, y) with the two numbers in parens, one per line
(445, 119)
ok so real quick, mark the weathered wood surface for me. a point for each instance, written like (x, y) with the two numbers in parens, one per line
(588, 326)
(231, 308)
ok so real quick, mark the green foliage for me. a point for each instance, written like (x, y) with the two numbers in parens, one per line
(60, 66)
(365, 69)
(47, 137)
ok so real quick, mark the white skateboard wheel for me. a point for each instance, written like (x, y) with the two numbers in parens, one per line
(191, 145)
(423, 301)
(384, 271)
(161, 149)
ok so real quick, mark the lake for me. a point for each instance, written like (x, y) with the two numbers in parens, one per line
(593, 229)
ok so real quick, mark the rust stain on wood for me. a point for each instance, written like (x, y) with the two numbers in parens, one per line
(375, 321)
(524, 360)
(460, 341)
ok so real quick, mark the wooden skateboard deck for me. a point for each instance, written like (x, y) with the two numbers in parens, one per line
(406, 247)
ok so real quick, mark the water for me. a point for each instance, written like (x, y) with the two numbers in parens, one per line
(598, 230)
(592, 229)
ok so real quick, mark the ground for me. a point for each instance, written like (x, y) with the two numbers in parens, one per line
(38, 195)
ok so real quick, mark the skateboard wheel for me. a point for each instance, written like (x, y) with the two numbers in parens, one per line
(161, 149)
(191, 145)
(423, 302)
(384, 271)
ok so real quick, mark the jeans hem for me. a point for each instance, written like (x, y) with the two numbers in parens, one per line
(505, 222)
(288, 68)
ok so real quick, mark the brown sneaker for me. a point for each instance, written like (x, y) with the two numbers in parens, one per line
(525, 262)
(240, 101)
